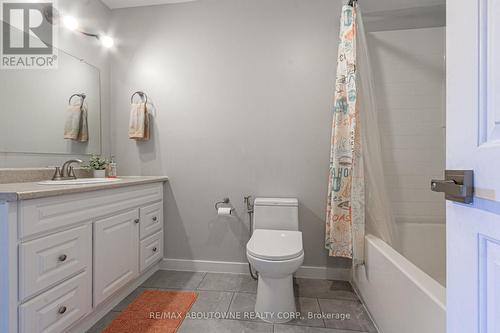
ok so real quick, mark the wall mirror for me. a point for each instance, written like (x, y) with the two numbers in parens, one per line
(33, 107)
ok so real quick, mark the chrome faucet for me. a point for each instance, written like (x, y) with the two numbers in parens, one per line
(66, 171)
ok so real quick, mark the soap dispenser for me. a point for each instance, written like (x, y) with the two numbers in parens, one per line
(112, 172)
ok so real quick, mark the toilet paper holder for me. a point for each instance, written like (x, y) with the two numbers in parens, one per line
(225, 202)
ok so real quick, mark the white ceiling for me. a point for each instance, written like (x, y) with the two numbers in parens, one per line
(366, 5)
(139, 3)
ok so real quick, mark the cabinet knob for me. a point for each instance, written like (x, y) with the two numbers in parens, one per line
(155, 218)
(137, 221)
(62, 309)
(62, 257)
(155, 249)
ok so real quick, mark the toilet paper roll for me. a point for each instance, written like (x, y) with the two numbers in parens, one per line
(224, 211)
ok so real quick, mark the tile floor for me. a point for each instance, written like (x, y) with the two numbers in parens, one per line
(235, 293)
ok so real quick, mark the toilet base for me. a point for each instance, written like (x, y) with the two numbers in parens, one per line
(275, 300)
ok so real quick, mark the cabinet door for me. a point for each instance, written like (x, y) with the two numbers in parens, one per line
(116, 253)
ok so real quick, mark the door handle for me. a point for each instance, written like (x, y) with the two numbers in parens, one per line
(449, 187)
(458, 185)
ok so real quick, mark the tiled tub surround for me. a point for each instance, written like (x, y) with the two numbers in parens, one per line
(409, 68)
(234, 294)
(69, 254)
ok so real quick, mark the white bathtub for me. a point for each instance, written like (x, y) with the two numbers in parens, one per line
(400, 297)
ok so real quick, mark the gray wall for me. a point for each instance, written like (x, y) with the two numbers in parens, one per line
(93, 16)
(243, 92)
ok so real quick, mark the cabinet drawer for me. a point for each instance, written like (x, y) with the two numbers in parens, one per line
(57, 309)
(48, 260)
(151, 219)
(151, 250)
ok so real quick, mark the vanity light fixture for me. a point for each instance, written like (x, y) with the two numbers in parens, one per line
(70, 22)
(107, 41)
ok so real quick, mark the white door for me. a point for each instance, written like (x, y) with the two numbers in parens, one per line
(473, 143)
(116, 253)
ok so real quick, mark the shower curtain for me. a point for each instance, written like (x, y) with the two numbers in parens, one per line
(380, 219)
(345, 218)
(356, 180)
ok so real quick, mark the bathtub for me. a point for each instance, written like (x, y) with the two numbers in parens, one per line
(399, 296)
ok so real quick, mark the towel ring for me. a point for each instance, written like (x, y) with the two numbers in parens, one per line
(141, 94)
(82, 96)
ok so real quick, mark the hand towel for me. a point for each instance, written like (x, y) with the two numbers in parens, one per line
(83, 134)
(139, 127)
(76, 126)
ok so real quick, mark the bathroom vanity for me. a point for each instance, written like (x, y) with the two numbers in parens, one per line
(69, 254)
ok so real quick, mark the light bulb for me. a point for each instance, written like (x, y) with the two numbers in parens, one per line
(70, 22)
(107, 41)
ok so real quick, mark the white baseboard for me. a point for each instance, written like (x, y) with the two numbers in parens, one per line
(324, 273)
(311, 272)
(204, 266)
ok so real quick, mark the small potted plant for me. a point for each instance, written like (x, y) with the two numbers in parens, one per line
(98, 166)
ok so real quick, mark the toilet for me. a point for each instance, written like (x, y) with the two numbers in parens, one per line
(275, 251)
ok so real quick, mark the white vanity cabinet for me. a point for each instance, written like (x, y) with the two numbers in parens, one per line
(71, 258)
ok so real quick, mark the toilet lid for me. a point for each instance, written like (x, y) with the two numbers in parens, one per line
(275, 244)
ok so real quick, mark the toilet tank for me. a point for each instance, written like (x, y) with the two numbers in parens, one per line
(276, 214)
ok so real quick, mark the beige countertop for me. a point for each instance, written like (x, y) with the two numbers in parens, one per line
(33, 190)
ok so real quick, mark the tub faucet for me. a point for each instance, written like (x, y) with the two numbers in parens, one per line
(66, 171)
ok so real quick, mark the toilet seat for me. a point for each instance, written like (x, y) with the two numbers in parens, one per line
(275, 245)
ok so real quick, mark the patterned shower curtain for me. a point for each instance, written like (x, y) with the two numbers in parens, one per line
(345, 218)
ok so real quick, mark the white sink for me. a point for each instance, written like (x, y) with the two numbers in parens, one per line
(81, 181)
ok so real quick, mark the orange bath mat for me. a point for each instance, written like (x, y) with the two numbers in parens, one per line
(154, 311)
